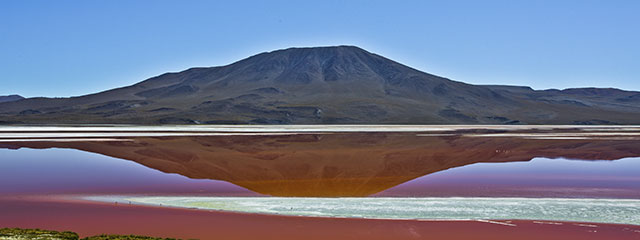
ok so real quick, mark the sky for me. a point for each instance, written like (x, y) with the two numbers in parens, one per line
(68, 48)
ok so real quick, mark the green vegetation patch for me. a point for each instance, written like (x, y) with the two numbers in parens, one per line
(124, 237)
(35, 234)
(17, 233)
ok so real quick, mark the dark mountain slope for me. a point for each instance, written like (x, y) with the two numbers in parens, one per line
(10, 98)
(341, 84)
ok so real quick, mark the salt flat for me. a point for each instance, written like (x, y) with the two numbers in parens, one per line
(622, 211)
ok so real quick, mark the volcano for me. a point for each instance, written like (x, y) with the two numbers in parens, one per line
(325, 85)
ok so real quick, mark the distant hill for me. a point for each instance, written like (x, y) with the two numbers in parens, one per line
(325, 85)
(10, 98)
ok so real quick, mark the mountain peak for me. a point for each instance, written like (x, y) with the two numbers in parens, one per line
(322, 48)
(308, 65)
(296, 54)
(10, 98)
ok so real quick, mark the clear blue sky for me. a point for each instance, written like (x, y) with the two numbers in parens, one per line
(68, 48)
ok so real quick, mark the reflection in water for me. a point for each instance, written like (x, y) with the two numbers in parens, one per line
(335, 164)
(67, 171)
(541, 177)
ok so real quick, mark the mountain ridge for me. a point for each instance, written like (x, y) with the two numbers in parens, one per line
(10, 98)
(325, 85)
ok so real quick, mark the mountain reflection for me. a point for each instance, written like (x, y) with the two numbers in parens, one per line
(334, 164)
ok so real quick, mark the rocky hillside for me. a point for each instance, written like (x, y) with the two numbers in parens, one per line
(325, 85)
(10, 98)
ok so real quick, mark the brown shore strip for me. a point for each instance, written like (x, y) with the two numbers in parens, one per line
(93, 218)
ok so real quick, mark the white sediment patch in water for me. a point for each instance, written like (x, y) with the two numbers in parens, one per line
(558, 134)
(622, 211)
(548, 223)
(231, 130)
(586, 138)
(28, 136)
(496, 222)
(305, 128)
(66, 140)
(243, 128)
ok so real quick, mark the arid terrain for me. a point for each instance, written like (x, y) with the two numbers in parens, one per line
(324, 85)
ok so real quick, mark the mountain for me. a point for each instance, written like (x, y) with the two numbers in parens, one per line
(325, 85)
(10, 98)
